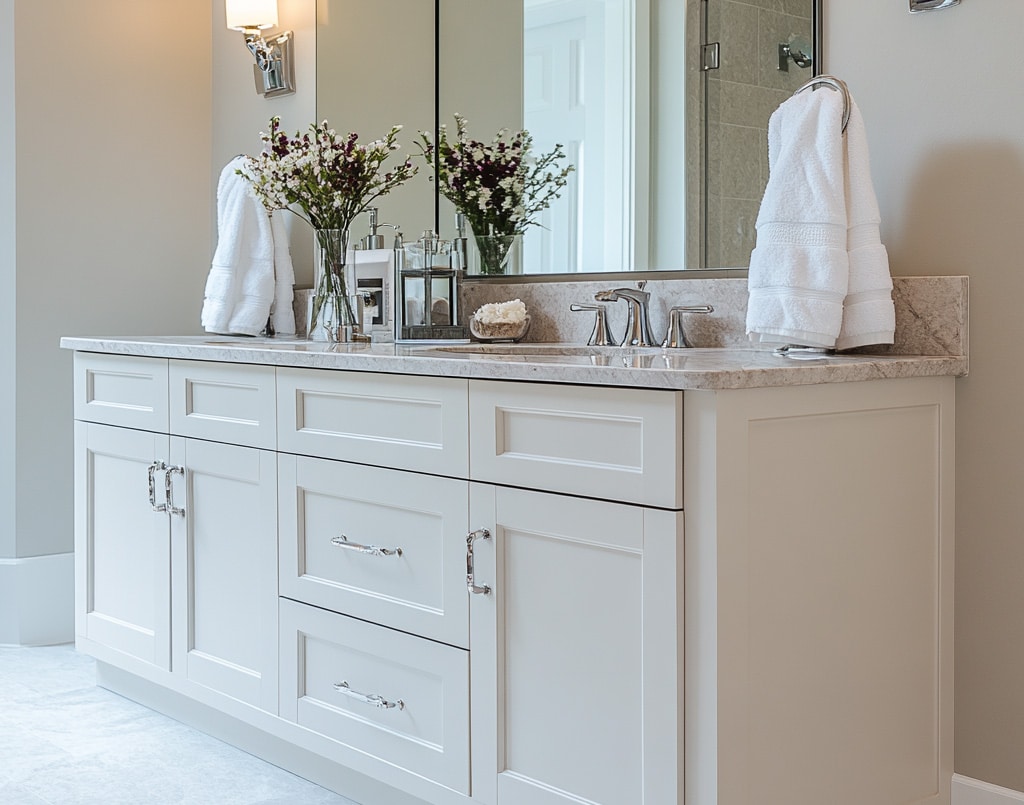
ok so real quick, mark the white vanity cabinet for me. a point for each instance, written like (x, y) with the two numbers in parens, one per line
(449, 590)
(175, 540)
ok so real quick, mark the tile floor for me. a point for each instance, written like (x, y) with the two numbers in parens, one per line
(64, 741)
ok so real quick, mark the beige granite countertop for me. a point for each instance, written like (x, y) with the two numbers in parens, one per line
(727, 367)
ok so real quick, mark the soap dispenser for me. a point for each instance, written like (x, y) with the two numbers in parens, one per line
(427, 292)
(375, 240)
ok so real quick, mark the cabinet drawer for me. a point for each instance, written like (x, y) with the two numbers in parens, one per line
(223, 402)
(412, 423)
(611, 443)
(406, 703)
(401, 557)
(121, 390)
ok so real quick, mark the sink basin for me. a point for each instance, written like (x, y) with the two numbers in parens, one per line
(547, 349)
(566, 354)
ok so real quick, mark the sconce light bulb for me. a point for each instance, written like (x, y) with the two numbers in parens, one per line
(245, 15)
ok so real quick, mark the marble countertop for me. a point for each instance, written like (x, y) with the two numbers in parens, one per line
(727, 367)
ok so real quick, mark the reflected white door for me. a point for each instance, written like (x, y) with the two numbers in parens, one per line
(576, 80)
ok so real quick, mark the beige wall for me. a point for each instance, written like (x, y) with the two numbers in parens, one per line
(8, 304)
(941, 97)
(111, 144)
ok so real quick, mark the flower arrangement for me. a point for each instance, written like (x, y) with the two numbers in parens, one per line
(327, 180)
(498, 186)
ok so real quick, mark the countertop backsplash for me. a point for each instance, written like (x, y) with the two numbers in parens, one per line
(931, 312)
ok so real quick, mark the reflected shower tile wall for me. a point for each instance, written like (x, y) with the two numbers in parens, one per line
(742, 95)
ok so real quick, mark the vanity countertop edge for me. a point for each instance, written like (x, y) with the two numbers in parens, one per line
(717, 368)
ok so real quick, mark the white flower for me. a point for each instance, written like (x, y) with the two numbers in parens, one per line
(513, 312)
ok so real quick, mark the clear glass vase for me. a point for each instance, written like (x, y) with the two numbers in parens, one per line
(333, 312)
(496, 255)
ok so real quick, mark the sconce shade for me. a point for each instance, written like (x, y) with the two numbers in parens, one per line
(242, 14)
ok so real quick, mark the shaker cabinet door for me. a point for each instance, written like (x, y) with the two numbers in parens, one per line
(122, 553)
(224, 547)
(576, 661)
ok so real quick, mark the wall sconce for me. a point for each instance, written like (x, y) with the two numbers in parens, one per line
(274, 70)
(932, 5)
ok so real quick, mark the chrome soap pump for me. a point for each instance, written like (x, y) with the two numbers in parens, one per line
(375, 240)
(427, 292)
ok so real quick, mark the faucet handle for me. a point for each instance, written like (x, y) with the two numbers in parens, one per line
(601, 336)
(676, 336)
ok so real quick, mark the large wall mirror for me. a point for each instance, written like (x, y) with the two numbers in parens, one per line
(662, 106)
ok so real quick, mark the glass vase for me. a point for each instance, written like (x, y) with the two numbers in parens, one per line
(496, 255)
(334, 306)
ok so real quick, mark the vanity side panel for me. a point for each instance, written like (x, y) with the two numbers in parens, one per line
(833, 560)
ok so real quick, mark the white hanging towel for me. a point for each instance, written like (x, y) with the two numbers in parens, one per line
(869, 315)
(802, 271)
(251, 272)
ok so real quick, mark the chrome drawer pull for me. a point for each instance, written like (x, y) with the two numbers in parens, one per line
(473, 536)
(151, 472)
(368, 698)
(169, 491)
(373, 550)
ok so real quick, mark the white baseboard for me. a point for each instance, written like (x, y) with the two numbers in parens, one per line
(37, 600)
(974, 792)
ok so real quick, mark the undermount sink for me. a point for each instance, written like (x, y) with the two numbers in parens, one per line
(567, 354)
(546, 349)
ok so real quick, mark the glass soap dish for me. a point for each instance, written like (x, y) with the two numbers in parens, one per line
(498, 332)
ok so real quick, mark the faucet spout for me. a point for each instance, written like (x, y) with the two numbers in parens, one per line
(638, 323)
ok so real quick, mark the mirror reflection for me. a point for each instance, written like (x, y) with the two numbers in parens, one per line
(661, 105)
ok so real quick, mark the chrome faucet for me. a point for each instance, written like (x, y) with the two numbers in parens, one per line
(638, 323)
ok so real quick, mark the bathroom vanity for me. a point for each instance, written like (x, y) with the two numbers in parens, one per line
(517, 577)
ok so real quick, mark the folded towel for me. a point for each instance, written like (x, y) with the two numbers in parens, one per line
(869, 315)
(240, 288)
(816, 269)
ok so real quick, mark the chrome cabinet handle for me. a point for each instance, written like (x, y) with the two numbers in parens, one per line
(372, 550)
(168, 506)
(368, 698)
(151, 473)
(473, 536)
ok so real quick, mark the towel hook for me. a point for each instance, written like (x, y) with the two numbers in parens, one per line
(825, 80)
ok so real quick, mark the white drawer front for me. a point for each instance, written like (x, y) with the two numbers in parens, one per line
(406, 422)
(427, 734)
(121, 390)
(611, 443)
(224, 402)
(402, 560)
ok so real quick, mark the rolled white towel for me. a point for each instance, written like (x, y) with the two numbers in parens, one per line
(240, 286)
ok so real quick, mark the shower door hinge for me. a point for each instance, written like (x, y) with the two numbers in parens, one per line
(709, 56)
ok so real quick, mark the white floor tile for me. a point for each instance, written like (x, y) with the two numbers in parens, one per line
(64, 741)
